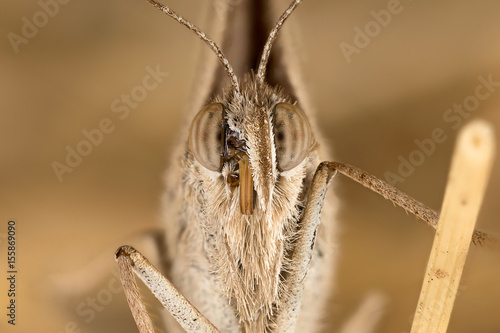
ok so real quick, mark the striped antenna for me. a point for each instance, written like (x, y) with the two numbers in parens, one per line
(223, 60)
(261, 73)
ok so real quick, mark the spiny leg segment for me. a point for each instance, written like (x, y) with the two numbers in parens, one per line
(403, 200)
(131, 261)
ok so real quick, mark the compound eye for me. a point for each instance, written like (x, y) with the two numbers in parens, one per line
(292, 136)
(206, 136)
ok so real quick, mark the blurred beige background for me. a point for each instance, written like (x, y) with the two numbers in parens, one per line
(396, 90)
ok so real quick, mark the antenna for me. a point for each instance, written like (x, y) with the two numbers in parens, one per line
(222, 58)
(270, 40)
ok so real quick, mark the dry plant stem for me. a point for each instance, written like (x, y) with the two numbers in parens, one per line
(467, 182)
(184, 312)
(401, 199)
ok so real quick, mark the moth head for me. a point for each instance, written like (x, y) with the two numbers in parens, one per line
(273, 137)
(267, 141)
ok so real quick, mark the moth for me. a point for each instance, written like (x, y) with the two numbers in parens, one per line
(244, 247)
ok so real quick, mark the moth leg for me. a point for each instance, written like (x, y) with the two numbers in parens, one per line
(403, 200)
(286, 316)
(131, 261)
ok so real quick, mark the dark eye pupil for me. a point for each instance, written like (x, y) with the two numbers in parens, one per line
(280, 136)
